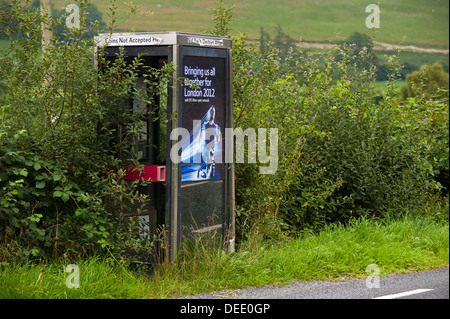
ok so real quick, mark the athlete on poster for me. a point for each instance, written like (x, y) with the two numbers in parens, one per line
(203, 115)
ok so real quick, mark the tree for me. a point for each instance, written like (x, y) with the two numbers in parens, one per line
(281, 41)
(46, 25)
(93, 19)
(428, 82)
(222, 16)
(264, 39)
(359, 42)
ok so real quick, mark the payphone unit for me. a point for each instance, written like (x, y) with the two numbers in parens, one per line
(193, 185)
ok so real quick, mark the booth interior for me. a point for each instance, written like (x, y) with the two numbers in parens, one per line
(148, 147)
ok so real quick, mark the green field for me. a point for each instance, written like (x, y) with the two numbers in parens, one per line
(420, 22)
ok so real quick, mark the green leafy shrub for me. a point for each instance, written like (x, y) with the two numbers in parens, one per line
(429, 82)
(343, 151)
(62, 185)
(428, 121)
(35, 196)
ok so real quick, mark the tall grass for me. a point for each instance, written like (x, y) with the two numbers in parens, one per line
(99, 279)
(335, 253)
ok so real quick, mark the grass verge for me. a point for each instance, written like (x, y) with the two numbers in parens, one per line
(336, 253)
(99, 279)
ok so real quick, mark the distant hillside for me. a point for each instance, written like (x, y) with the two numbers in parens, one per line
(410, 22)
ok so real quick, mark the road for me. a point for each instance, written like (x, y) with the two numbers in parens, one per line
(432, 284)
(377, 46)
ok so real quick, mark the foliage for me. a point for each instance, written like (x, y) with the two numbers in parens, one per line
(91, 15)
(34, 198)
(62, 180)
(222, 17)
(343, 151)
(355, 44)
(428, 82)
(282, 41)
(428, 121)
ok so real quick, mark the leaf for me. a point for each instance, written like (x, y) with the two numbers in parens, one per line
(35, 252)
(37, 194)
(57, 193)
(40, 185)
(65, 197)
(37, 166)
(35, 218)
(23, 172)
(80, 212)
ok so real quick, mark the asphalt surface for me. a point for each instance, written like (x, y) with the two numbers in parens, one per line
(432, 284)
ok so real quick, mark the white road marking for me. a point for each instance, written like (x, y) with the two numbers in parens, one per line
(403, 294)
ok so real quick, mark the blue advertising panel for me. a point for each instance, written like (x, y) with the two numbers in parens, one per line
(203, 113)
(204, 101)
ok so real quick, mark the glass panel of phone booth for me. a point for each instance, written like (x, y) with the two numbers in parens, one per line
(202, 206)
(140, 110)
(150, 143)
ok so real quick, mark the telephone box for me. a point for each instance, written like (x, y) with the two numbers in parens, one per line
(192, 188)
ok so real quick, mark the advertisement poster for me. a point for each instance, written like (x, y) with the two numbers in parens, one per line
(203, 102)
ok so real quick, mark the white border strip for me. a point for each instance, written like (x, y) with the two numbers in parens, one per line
(404, 294)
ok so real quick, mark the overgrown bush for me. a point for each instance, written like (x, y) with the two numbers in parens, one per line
(34, 194)
(61, 182)
(343, 152)
(430, 82)
(428, 121)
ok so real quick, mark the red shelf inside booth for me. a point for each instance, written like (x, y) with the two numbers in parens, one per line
(147, 173)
